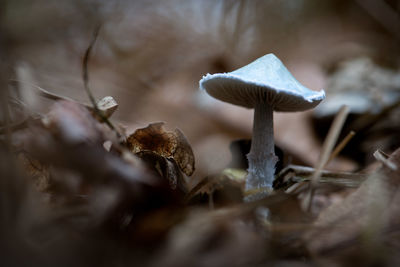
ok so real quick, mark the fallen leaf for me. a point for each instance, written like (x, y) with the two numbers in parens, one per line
(71, 138)
(37, 170)
(73, 123)
(165, 167)
(365, 219)
(171, 145)
(217, 238)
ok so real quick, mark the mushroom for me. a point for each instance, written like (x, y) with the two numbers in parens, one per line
(265, 85)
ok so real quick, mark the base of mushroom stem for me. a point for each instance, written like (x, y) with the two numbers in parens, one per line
(261, 170)
(257, 194)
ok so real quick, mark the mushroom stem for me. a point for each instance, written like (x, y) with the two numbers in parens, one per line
(262, 157)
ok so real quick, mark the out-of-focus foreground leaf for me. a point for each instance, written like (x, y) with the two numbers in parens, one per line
(365, 225)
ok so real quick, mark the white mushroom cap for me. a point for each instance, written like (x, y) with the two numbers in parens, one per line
(265, 79)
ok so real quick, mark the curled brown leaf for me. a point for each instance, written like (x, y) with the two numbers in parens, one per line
(171, 145)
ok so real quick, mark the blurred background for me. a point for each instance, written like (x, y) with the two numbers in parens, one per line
(151, 54)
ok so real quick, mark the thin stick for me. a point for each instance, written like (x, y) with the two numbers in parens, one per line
(50, 95)
(85, 72)
(327, 147)
(53, 96)
(341, 145)
(85, 77)
(384, 159)
(329, 142)
(304, 171)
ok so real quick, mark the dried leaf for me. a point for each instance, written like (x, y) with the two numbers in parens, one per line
(218, 238)
(73, 123)
(73, 139)
(38, 171)
(107, 106)
(369, 214)
(183, 154)
(165, 167)
(170, 145)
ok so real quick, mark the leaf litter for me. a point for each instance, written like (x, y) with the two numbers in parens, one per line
(143, 201)
(69, 200)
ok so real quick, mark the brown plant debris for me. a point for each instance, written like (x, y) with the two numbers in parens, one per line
(38, 171)
(222, 189)
(71, 122)
(365, 223)
(110, 201)
(71, 138)
(75, 191)
(171, 145)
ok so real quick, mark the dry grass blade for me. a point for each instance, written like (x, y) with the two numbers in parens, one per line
(300, 174)
(329, 142)
(341, 145)
(327, 147)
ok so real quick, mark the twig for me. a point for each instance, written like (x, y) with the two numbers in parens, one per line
(384, 159)
(300, 177)
(106, 106)
(308, 171)
(50, 95)
(327, 147)
(85, 72)
(341, 145)
(329, 142)
(85, 77)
